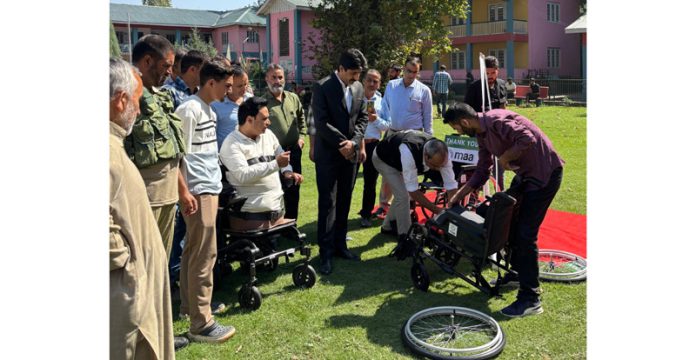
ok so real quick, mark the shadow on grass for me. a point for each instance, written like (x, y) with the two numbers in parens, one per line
(384, 327)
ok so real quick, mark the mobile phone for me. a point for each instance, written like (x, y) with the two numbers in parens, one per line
(370, 106)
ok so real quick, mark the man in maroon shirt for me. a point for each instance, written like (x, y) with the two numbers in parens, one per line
(523, 148)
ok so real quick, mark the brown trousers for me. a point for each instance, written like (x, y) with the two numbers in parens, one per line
(197, 261)
(164, 215)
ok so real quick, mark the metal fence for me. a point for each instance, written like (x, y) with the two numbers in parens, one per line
(561, 91)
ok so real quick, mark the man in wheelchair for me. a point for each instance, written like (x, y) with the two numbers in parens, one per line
(253, 157)
(400, 158)
(523, 148)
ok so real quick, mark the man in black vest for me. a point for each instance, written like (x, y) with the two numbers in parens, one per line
(400, 158)
(340, 118)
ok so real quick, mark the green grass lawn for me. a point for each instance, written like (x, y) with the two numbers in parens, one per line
(357, 311)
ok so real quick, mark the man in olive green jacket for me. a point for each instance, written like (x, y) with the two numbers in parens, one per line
(140, 305)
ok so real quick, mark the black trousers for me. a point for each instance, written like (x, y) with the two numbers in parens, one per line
(370, 176)
(335, 180)
(291, 195)
(525, 252)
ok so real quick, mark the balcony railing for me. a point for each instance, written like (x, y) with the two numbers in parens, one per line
(489, 28)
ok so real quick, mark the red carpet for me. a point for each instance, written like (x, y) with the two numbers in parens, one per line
(564, 231)
(560, 231)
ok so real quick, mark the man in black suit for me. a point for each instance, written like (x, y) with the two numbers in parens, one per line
(340, 118)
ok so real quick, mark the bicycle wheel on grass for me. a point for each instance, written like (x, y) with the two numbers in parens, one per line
(451, 332)
(557, 265)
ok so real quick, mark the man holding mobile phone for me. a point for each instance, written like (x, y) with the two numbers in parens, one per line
(377, 123)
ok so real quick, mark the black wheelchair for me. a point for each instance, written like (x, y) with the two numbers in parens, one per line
(256, 249)
(477, 229)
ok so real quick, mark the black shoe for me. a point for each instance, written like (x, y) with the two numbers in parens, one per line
(346, 254)
(325, 266)
(365, 222)
(391, 231)
(521, 308)
(180, 342)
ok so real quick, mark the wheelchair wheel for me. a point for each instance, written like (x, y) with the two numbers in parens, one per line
(556, 265)
(250, 297)
(420, 277)
(451, 332)
(447, 256)
(304, 276)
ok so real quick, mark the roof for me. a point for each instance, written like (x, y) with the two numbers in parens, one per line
(578, 26)
(155, 15)
(265, 9)
(243, 16)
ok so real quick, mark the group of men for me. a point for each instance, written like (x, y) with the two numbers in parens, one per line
(169, 134)
(167, 143)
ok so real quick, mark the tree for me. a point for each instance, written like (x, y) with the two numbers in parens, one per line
(385, 31)
(196, 43)
(162, 3)
(114, 48)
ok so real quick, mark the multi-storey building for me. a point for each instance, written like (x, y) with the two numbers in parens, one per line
(240, 31)
(527, 36)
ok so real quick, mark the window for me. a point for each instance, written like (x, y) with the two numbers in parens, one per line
(225, 38)
(553, 11)
(122, 37)
(284, 37)
(459, 60)
(496, 12)
(208, 38)
(553, 57)
(253, 36)
(500, 54)
(458, 21)
(171, 38)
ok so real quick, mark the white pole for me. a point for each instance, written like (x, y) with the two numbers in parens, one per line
(130, 48)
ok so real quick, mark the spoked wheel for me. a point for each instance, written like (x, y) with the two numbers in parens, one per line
(450, 332)
(250, 297)
(304, 276)
(556, 265)
(420, 277)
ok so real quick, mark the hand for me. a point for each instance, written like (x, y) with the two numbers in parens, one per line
(347, 149)
(300, 143)
(457, 198)
(438, 210)
(188, 203)
(362, 155)
(371, 117)
(296, 178)
(283, 159)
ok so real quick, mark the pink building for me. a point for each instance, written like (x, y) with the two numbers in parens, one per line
(527, 36)
(240, 30)
(288, 26)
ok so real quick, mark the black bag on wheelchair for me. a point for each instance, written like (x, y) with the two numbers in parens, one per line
(479, 236)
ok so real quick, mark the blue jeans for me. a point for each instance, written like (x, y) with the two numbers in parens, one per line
(441, 99)
(177, 247)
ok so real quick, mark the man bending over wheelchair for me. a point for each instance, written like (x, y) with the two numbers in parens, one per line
(523, 148)
(253, 156)
(400, 158)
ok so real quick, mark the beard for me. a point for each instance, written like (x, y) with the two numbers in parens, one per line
(470, 132)
(127, 118)
(276, 89)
